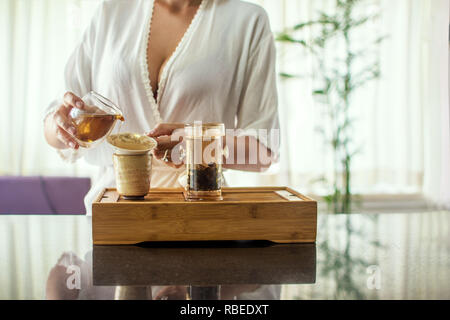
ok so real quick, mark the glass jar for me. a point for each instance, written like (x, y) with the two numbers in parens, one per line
(204, 158)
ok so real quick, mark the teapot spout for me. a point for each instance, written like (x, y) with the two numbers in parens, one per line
(120, 117)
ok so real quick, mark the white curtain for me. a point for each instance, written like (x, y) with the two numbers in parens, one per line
(402, 120)
(36, 39)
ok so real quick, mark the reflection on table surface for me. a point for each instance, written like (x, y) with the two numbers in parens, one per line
(204, 264)
(384, 256)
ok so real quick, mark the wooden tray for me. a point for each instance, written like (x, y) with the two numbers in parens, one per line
(277, 214)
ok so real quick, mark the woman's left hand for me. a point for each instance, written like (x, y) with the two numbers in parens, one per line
(168, 136)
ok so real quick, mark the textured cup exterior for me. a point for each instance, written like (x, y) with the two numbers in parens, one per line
(133, 174)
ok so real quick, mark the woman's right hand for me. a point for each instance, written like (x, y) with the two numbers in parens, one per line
(168, 136)
(59, 129)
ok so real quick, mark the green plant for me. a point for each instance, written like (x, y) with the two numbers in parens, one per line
(340, 75)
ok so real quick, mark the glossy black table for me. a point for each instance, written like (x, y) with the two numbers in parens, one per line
(359, 256)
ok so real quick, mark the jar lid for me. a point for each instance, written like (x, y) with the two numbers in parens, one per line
(200, 130)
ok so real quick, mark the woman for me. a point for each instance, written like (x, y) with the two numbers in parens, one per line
(169, 62)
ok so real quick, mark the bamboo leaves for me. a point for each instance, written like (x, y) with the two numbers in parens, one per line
(330, 40)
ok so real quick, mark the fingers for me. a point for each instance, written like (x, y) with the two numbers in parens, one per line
(65, 129)
(71, 100)
(165, 129)
(62, 122)
(169, 151)
(66, 138)
(166, 156)
(167, 141)
(159, 153)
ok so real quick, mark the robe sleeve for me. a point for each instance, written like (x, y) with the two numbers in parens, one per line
(78, 75)
(258, 109)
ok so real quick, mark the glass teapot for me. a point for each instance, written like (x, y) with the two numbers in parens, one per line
(204, 154)
(95, 121)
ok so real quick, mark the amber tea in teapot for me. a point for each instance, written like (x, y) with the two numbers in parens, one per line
(91, 128)
(95, 121)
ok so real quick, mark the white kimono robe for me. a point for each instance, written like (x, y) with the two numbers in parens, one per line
(223, 70)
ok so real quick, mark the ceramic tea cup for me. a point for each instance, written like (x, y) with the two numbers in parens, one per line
(132, 163)
(133, 174)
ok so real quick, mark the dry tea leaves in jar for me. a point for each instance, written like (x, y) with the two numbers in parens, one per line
(205, 177)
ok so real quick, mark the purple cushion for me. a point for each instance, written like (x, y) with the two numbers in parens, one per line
(43, 195)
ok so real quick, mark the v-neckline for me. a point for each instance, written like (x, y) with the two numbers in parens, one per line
(165, 66)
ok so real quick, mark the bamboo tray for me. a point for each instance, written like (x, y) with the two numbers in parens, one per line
(277, 214)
